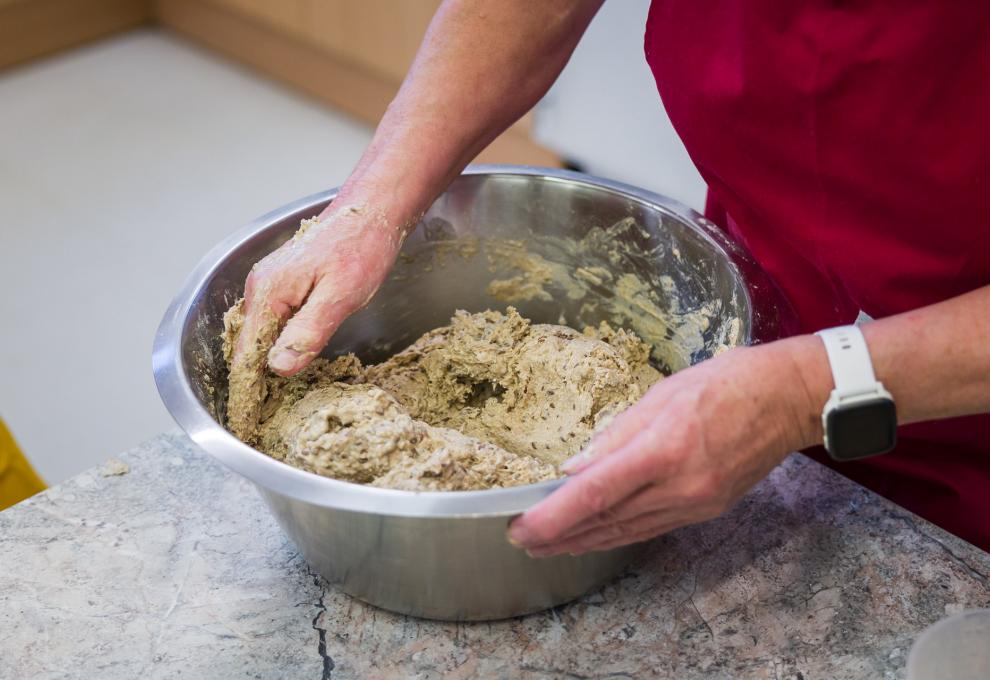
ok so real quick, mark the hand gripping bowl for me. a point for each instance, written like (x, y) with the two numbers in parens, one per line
(444, 555)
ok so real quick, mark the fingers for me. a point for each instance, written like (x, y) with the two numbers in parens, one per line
(309, 329)
(611, 536)
(646, 501)
(268, 300)
(257, 332)
(592, 492)
(638, 538)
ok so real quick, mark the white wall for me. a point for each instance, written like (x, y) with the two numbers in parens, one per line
(604, 111)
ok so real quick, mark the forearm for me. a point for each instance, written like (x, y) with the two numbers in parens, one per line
(935, 361)
(482, 65)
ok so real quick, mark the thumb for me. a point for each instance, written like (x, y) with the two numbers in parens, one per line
(309, 329)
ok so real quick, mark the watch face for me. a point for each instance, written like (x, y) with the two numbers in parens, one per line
(862, 429)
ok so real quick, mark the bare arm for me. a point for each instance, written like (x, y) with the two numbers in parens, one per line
(699, 439)
(935, 361)
(482, 64)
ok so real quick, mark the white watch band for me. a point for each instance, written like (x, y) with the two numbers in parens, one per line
(849, 357)
(857, 391)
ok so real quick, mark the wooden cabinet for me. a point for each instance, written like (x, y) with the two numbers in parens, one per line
(351, 54)
(34, 28)
(380, 35)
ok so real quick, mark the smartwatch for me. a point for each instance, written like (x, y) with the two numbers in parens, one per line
(859, 418)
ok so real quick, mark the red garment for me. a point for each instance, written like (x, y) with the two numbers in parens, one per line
(849, 145)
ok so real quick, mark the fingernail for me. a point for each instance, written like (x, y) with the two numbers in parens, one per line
(519, 535)
(578, 461)
(282, 359)
(539, 553)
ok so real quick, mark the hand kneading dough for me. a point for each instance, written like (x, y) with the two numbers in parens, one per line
(489, 401)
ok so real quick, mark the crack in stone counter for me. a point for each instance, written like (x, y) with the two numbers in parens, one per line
(176, 569)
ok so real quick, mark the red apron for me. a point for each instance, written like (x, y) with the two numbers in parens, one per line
(847, 144)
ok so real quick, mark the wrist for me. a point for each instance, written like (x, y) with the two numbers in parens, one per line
(809, 383)
(374, 211)
(403, 170)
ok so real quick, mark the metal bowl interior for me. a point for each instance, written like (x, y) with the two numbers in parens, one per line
(707, 294)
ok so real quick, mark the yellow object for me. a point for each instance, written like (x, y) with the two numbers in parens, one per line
(18, 480)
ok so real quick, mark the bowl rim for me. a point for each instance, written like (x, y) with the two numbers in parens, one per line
(281, 478)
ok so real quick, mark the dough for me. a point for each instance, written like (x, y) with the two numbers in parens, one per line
(535, 390)
(489, 401)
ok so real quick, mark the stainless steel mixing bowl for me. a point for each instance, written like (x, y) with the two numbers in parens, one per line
(444, 554)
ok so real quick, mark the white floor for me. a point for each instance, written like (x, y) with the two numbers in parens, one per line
(120, 164)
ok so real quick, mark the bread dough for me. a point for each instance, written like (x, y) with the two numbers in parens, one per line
(489, 401)
(536, 390)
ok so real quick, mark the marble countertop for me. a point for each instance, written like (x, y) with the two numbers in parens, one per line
(175, 569)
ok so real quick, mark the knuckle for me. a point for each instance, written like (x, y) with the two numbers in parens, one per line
(673, 460)
(300, 340)
(594, 495)
(261, 280)
(602, 525)
(612, 531)
(304, 334)
(254, 277)
(686, 438)
(651, 438)
(704, 490)
(607, 517)
(268, 262)
(599, 537)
